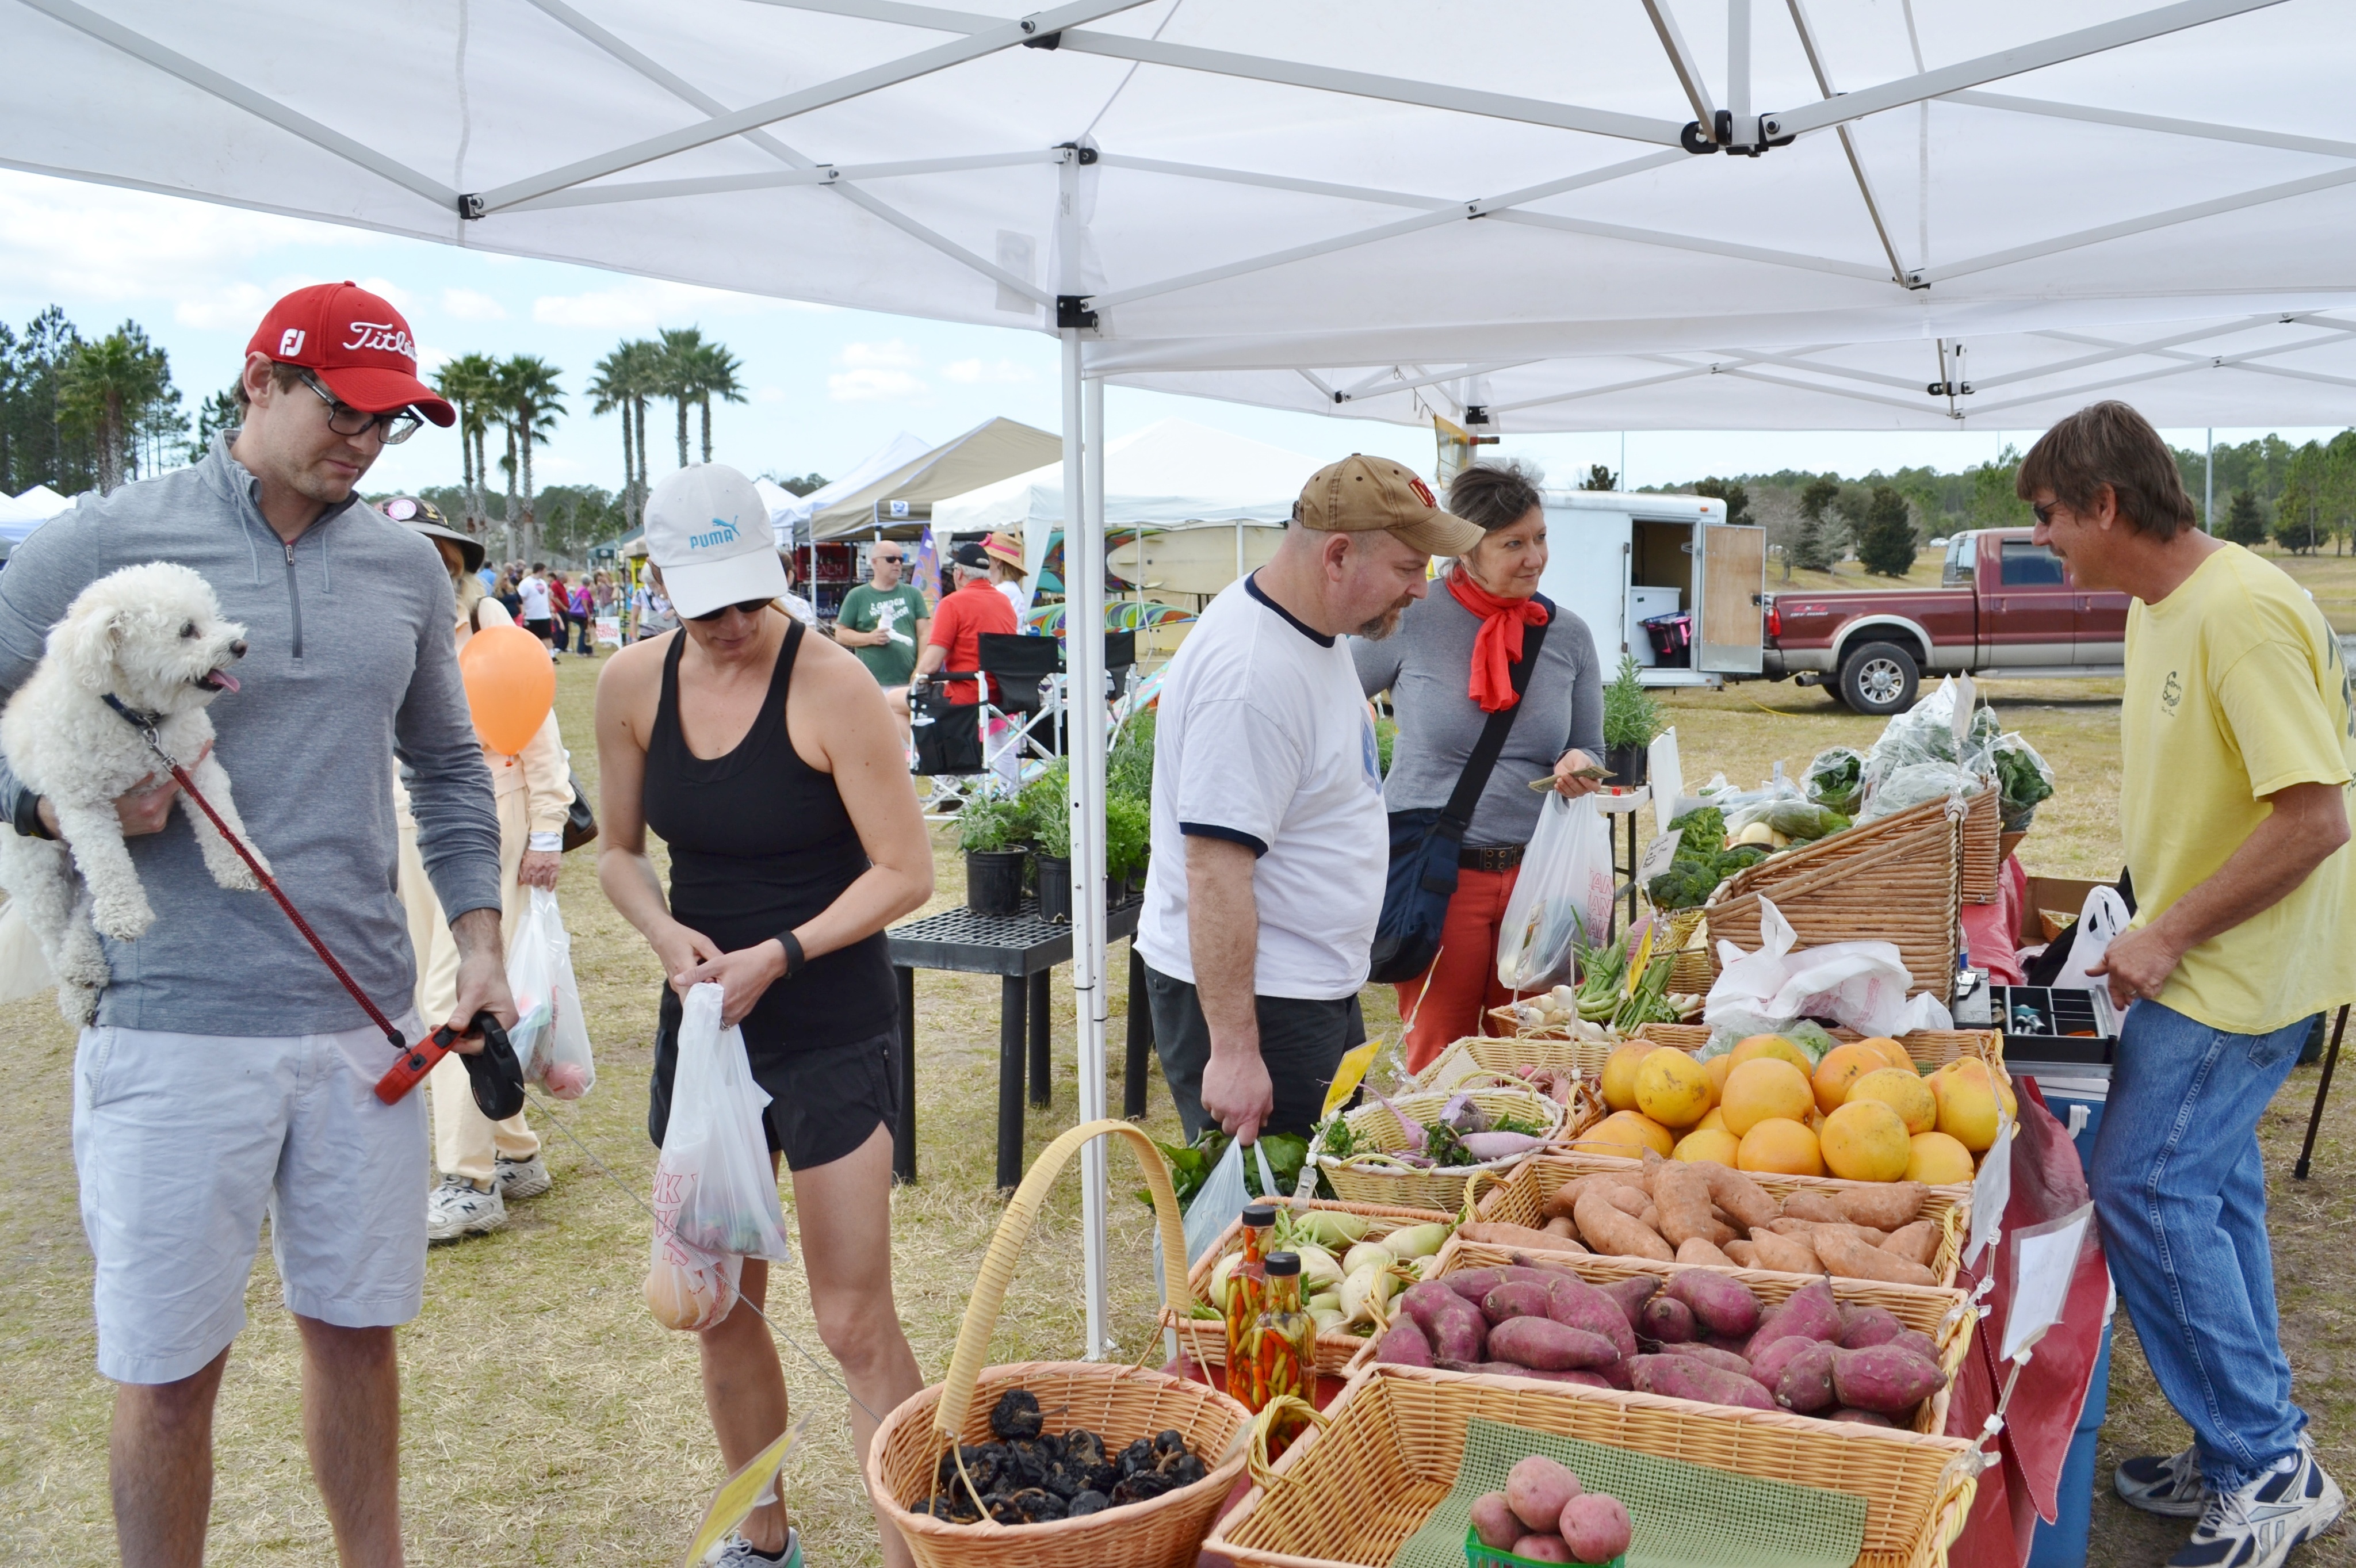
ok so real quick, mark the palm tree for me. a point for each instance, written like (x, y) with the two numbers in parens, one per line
(680, 372)
(470, 382)
(626, 379)
(713, 370)
(106, 386)
(530, 401)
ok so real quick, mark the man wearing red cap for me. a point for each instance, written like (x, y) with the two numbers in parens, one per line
(229, 1074)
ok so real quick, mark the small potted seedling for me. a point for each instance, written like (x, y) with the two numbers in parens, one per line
(1631, 719)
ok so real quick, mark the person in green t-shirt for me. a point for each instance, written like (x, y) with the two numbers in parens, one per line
(883, 620)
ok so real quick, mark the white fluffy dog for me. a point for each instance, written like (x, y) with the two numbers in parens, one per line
(152, 637)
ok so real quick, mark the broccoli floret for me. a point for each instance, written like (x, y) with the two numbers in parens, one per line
(1686, 885)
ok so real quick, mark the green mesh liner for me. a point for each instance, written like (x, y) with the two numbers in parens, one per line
(1685, 1516)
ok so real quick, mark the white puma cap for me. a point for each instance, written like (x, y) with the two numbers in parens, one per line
(708, 529)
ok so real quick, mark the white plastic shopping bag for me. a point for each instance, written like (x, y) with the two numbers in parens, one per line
(2100, 922)
(1564, 893)
(1222, 1197)
(1862, 985)
(550, 1037)
(713, 1177)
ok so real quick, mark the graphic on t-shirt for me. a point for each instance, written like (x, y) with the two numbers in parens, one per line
(2171, 694)
(888, 613)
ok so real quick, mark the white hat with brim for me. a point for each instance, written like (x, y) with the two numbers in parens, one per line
(708, 529)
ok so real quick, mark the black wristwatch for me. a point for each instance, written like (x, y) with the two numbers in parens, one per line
(26, 818)
(793, 946)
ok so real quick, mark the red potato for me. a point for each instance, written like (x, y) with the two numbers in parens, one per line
(1683, 1377)
(1669, 1320)
(1806, 1384)
(1494, 1523)
(1913, 1340)
(1725, 1360)
(1719, 1304)
(1552, 1346)
(1547, 1548)
(1474, 1283)
(1595, 1527)
(1515, 1298)
(1539, 1488)
(1887, 1377)
(1864, 1326)
(1404, 1345)
(1424, 1298)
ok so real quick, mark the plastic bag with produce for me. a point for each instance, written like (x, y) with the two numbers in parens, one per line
(1563, 895)
(2023, 779)
(1913, 784)
(550, 1038)
(1837, 779)
(713, 1189)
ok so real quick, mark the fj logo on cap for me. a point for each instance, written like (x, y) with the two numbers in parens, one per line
(381, 335)
(722, 531)
(290, 342)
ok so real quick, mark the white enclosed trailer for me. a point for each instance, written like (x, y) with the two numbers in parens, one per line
(1614, 559)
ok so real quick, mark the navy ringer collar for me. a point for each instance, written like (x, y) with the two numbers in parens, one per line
(1251, 586)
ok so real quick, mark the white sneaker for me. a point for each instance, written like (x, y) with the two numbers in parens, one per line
(2256, 1526)
(2170, 1484)
(737, 1552)
(457, 1208)
(521, 1179)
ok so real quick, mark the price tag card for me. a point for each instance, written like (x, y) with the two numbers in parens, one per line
(741, 1493)
(2044, 1261)
(1658, 855)
(1991, 1190)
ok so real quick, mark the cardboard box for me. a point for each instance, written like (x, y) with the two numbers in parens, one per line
(2054, 903)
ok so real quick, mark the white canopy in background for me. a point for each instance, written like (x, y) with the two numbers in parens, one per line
(1171, 473)
(42, 503)
(989, 452)
(790, 519)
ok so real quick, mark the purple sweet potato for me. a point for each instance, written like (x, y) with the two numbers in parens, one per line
(1493, 1521)
(1595, 1527)
(1474, 1283)
(1631, 1294)
(1890, 1379)
(1426, 1298)
(1865, 1327)
(1722, 1306)
(1404, 1345)
(1515, 1298)
(1539, 1488)
(1546, 1547)
(1552, 1346)
(1668, 1320)
(1806, 1383)
(1914, 1339)
(1726, 1359)
(1860, 1417)
(1459, 1333)
(1573, 1301)
(1685, 1377)
(1767, 1365)
(1615, 1373)
(1810, 1312)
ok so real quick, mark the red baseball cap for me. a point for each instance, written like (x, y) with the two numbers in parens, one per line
(358, 344)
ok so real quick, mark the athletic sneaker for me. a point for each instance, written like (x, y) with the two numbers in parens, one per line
(2256, 1526)
(2169, 1485)
(521, 1179)
(737, 1552)
(457, 1208)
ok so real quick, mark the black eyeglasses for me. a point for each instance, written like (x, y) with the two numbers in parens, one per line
(746, 607)
(392, 428)
(2043, 512)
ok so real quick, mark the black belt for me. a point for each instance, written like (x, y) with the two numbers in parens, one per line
(1489, 857)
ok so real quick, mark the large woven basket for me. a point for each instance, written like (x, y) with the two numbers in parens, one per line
(1520, 1199)
(1946, 1315)
(1348, 1495)
(1518, 1044)
(1119, 1403)
(1361, 1179)
(1206, 1338)
(1897, 880)
(1983, 848)
(1925, 1048)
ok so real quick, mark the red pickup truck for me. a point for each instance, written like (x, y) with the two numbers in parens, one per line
(2005, 607)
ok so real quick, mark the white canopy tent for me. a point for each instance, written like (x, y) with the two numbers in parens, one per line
(1770, 215)
(42, 503)
(989, 452)
(790, 519)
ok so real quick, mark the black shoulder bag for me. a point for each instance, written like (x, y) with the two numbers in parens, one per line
(1425, 844)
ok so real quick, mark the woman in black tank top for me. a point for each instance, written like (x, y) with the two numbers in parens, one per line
(767, 762)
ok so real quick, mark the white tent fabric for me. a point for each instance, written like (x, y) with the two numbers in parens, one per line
(1170, 473)
(779, 501)
(790, 521)
(42, 503)
(984, 455)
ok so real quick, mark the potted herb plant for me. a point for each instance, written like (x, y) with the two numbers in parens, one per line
(1631, 719)
(1128, 825)
(990, 833)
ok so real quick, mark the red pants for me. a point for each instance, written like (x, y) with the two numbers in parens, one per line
(1452, 999)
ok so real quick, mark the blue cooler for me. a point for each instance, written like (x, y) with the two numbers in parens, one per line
(2077, 1103)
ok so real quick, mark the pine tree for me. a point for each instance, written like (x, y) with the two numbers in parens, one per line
(1811, 549)
(2245, 520)
(1886, 543)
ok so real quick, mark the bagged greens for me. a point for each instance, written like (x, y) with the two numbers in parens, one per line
(1837, 779)
(2023, 779)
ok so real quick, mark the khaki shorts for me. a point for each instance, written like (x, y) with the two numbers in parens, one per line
(185, 1143)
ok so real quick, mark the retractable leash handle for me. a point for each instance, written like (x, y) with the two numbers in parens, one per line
(493, 1072)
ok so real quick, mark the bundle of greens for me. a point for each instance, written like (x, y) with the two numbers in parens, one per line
(1190, 1164)
(2023, 779)
(1703, 860)
(1837, 779)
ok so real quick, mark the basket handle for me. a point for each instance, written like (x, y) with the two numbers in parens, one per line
(1256, 1460)
(1014, 1229)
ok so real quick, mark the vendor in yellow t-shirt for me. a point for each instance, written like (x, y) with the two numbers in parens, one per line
(2237, 745)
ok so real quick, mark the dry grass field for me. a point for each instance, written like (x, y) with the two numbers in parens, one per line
(549, 1419)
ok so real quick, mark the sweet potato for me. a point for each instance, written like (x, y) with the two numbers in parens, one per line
(1424, 1298)
(1614, 1373)
(1474, 1283)
(1493, 1521)
(1576, 1304)
(1809, 1312)
(1768, 1362)
(1864, 1326)
(1788, 1254)
(1651, 1220)
(1459, 1334)
(1743, 1254)
(1549, 1346)
(1404, 1344)
(1917, 1243)
(1695, 1249)
(1595, 1527)
(1803, 1229)
(1860, 1417)
(1889, 1378)
(1631, 1294)
(1725, 1360)
(1515, 1298)
(1843, 1254)
(1721, 1304)
(1631, 1201)
(1682, 1194)
(1496, 1233)
(1745, 1202)
(1539, 1488)
(1915, 1339)
(1543, 1546)
(1666, 1318)
(1586, 1376)
(1560, 1226)
(1884, 1204)
(1814, 1203)
(1805, 1384)
(1687, 1378)
(1609, 1231)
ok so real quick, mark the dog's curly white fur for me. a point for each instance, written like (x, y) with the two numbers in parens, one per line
(152, 637)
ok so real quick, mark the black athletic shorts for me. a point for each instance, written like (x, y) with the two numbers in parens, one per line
(1300, 1043)
(824, 1101)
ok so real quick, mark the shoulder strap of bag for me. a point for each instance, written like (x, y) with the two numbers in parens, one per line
(1492, 743)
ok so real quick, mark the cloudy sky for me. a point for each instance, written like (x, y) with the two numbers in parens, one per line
(826, 386)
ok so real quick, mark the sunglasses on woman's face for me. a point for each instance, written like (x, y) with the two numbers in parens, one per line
(749, 607)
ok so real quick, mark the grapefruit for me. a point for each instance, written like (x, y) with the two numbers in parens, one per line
(1780, 1147)
(1843, 1065)
(1626, 1134)
(1762, 1087)
(1619, 1074)
(1891, 1051)
(1969, 1109)
(1904, 1092)
(1938, 1160)
(1708, 1144)
(1758, 1046)
(1866, 1141)
(1672, 1088)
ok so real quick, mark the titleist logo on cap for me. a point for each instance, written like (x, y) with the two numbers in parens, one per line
(385, 336)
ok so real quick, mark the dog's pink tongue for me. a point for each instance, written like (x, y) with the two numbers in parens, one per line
(228, 682)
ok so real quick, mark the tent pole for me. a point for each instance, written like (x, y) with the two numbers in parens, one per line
(1084, 643)
(2209, 484)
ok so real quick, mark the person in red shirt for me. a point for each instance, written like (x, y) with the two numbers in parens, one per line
(955, 642)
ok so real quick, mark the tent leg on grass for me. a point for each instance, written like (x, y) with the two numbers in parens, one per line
(2322, 1089)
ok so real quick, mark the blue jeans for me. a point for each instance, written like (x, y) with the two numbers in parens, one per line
(2180, 1190)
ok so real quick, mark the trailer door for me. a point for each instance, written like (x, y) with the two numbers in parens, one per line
(1587, 573)
(1730, 590)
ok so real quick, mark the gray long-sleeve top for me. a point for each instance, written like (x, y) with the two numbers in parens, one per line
(1426, 667)
(350, 666)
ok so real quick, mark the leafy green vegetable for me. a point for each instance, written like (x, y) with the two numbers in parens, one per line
(2023, 779)
(1127, 834)
(989, 824)
(1190, 1164)
(1837, 778)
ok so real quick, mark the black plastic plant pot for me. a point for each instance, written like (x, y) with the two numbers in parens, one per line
(1056, 890)
(994, 881)
(1627, 763)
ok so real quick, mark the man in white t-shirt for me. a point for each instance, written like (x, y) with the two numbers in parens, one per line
(1269, 840)
(538, 619)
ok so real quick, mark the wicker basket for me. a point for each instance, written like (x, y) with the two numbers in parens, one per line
(1936, 1047)
(1347, 1496)
(1522, 1044)
(1982, 851)
(1897, 880)
(1394, 1185)
(1206, 1339)
(1520, 1199)
(1119, 1403)
(1947, 1316)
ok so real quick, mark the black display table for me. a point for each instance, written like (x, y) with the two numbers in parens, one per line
(1020, 949)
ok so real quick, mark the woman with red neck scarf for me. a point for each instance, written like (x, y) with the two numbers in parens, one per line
(1451, 664)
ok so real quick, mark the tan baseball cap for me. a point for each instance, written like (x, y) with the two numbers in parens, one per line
(1360, 494)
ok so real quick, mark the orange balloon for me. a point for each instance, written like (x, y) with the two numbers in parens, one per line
(511, 686)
